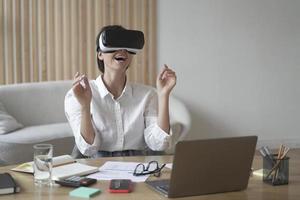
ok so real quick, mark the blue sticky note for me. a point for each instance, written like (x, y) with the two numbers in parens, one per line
(84, 192)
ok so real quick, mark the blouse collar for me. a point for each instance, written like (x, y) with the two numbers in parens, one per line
(104, 91)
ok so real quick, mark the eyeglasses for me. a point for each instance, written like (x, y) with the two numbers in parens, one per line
(151, 168)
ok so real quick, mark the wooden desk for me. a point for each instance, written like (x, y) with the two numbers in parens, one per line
(257, 190)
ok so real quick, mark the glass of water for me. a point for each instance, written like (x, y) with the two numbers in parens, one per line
(43, 154)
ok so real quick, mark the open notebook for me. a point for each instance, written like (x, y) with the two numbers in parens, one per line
(63, 166)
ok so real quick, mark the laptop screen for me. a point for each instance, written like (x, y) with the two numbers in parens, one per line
(211, 166)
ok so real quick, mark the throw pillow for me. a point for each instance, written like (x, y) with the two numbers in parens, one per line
(7, 122)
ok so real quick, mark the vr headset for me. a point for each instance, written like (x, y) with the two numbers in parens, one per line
(113, 40)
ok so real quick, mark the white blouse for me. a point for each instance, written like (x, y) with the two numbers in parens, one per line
(126, 123)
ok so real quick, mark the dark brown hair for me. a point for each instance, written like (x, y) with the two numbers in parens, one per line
(110, 27)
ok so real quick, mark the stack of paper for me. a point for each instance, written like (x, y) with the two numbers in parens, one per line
(118, 170)
(74, 169)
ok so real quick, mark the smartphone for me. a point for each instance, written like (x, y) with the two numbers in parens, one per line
(120, 186)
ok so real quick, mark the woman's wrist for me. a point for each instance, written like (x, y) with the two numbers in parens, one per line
(163, 95)
(163, 100)
(85, 109)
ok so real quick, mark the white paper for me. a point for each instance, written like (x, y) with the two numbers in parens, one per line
(118, 170)
(74, 169)
(169, 165)
(108, 175)
(119, 166)
(63, 159)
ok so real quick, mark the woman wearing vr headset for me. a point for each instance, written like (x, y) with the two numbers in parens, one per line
(110, 116)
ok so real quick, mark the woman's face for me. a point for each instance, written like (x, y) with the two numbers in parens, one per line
(118, 60)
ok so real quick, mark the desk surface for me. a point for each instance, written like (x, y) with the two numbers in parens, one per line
(257, 190)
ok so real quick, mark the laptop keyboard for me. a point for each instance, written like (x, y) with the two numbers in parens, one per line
(162, 186)
(165, 188)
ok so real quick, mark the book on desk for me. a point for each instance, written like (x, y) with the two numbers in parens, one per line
(7, 184)
(63, 166)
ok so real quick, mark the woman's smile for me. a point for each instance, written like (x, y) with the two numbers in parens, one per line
(120, 58)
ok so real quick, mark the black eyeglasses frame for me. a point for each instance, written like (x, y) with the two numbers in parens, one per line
(156, 172)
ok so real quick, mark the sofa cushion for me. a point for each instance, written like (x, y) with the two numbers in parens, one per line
(7, 122)
(12, 153)
(36, 134)
(16, 147)
(35, 104)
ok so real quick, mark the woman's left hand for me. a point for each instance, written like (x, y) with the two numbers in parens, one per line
(166, 80)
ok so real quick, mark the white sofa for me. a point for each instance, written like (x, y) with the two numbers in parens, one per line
(40, 108)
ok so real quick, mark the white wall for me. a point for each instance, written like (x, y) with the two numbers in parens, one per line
(238, 65)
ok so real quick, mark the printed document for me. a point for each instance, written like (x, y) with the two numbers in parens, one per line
(118, 170)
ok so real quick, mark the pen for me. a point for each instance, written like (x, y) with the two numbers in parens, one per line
(280, 152)
(267, 150)
(267, 156)
(275, 167)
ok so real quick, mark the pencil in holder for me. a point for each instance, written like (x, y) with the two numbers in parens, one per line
(276, 172)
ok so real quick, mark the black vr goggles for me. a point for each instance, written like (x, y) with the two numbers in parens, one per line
(113, 40)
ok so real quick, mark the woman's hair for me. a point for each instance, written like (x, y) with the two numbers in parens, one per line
(110, 27)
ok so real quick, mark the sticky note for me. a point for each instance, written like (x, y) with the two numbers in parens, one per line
(84, 192)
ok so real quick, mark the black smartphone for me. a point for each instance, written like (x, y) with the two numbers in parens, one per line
(120, 186)
(76, 181)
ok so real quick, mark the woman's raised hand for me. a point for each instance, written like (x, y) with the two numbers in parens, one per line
(82, 90)
(166, 80)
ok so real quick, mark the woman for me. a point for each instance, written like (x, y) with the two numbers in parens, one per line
(110, 116)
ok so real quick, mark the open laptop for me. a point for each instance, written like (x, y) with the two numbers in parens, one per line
(209, 166)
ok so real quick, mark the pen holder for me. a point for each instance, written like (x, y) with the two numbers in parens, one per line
(277, 171)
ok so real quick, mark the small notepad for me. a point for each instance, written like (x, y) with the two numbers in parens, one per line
(84, 192)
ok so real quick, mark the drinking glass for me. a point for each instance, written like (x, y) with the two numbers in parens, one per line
(43, 154)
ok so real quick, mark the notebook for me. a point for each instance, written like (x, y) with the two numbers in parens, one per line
(8, 184)
(208, 166)
(56, 161)
(63, 166)
(74, 169)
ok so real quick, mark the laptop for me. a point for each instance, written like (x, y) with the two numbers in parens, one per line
(208, 166)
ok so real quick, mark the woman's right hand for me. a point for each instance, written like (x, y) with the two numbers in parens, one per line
(82, 90)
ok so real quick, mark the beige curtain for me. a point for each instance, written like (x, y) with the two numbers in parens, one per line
(43, 40)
